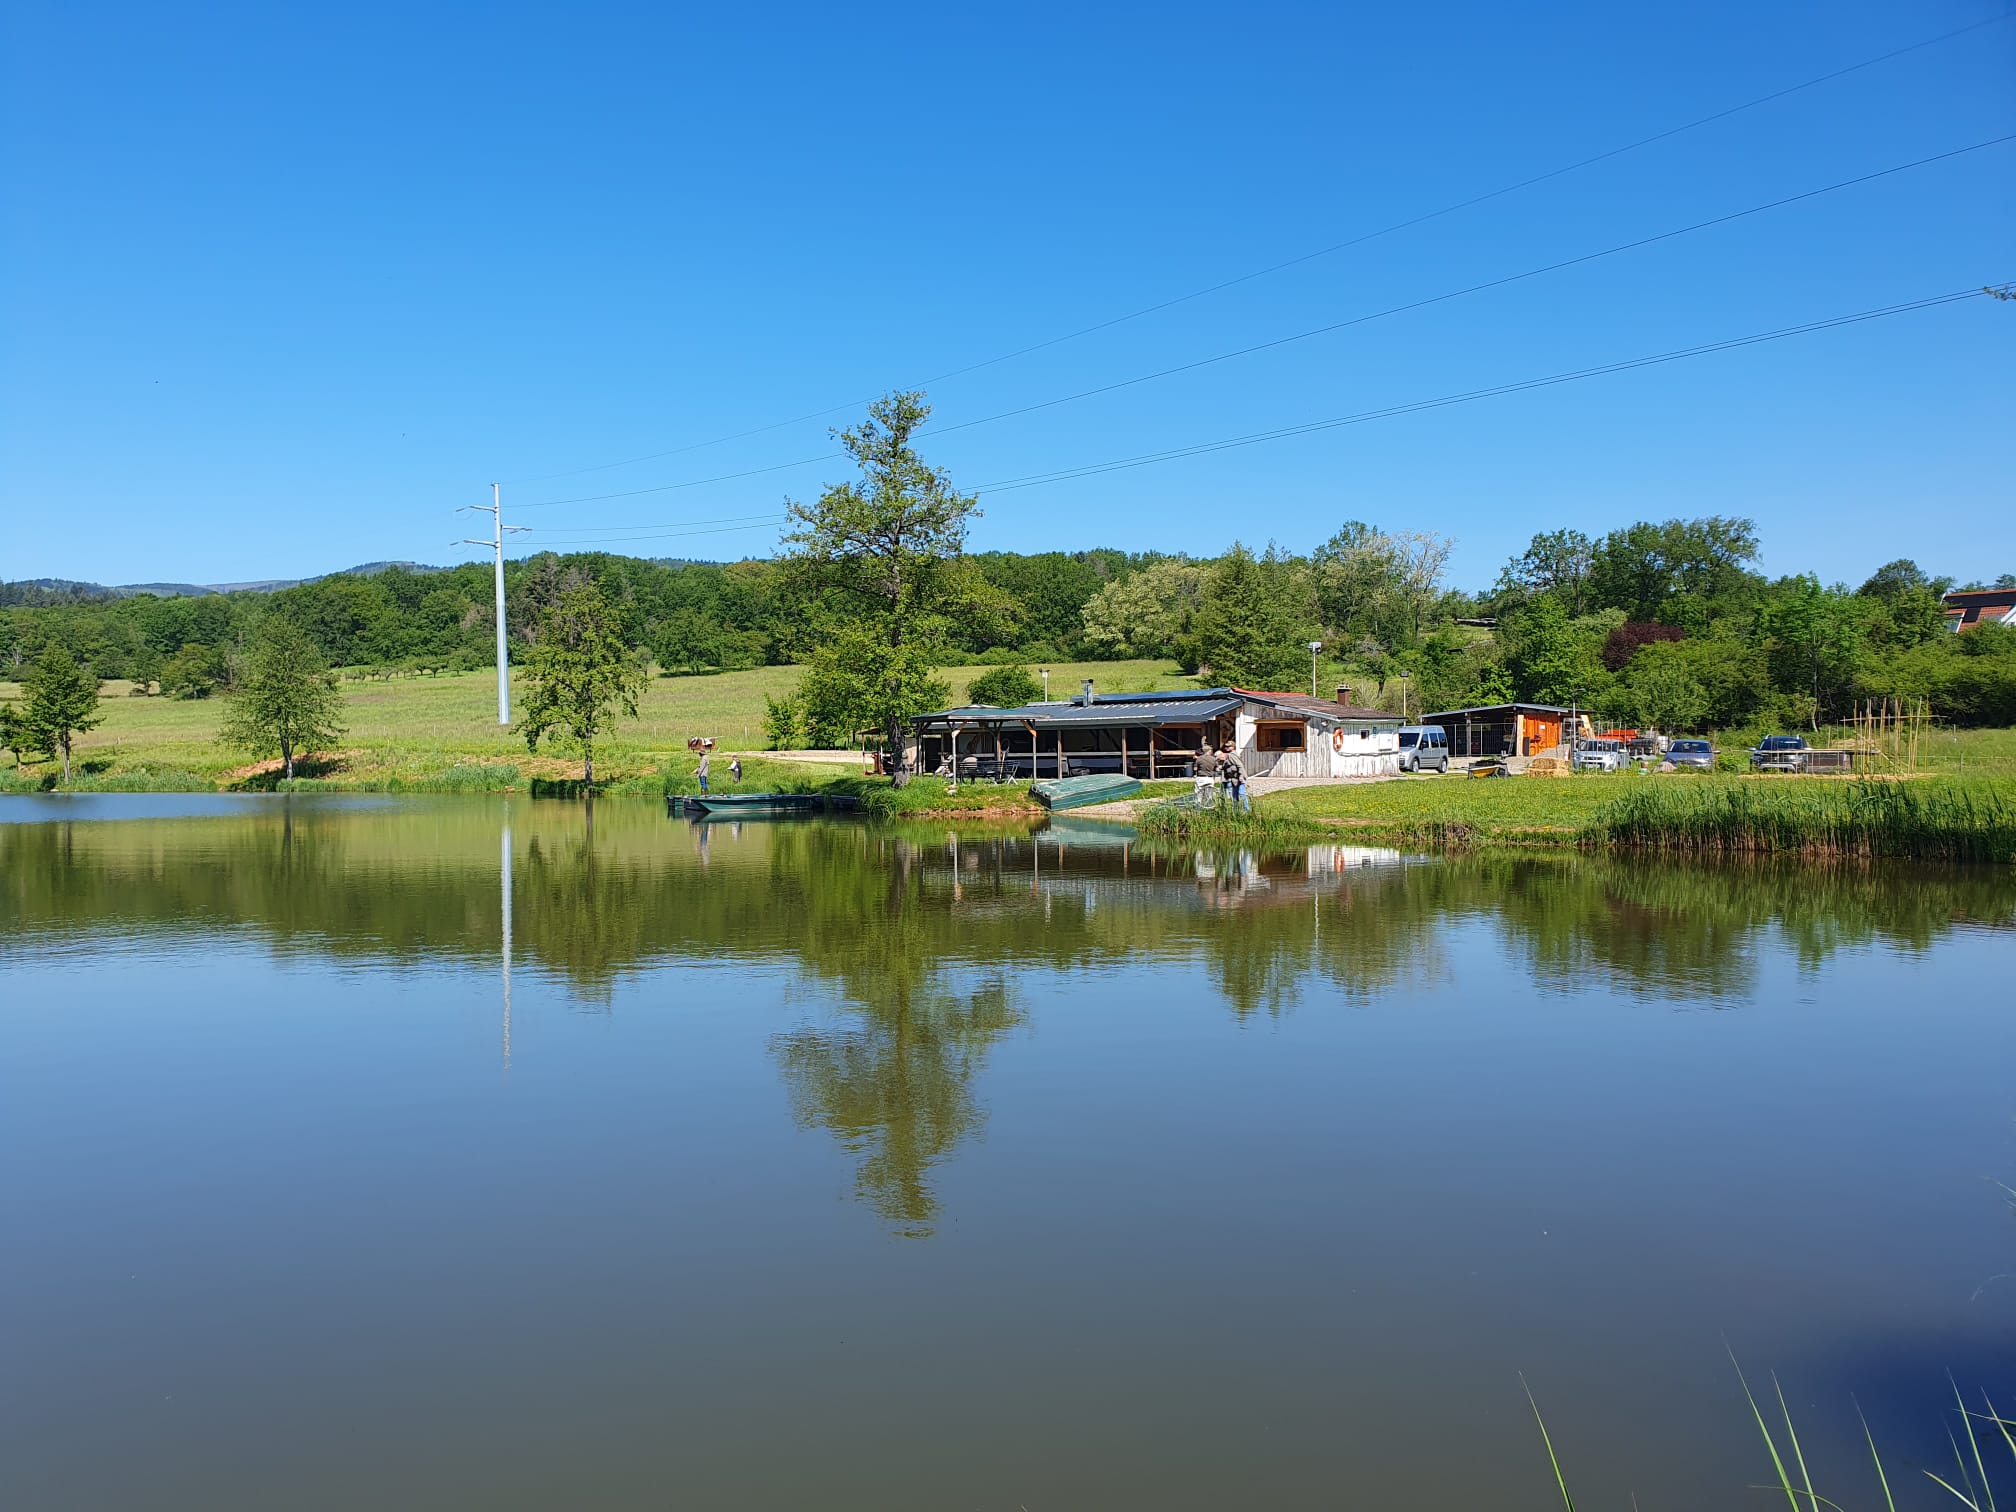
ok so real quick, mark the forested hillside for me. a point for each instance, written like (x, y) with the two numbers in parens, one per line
(1667, 624)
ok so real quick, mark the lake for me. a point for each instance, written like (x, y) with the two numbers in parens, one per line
(513, 1154)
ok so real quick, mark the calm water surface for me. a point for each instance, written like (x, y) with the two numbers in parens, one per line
(491, 1154)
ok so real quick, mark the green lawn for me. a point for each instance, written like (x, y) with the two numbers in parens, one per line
(417, 729)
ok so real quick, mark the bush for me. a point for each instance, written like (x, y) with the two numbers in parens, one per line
(1004, 687)
(784, 724)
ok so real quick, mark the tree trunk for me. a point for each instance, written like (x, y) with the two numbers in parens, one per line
(64, 741)
(287, 757)
(588, 764)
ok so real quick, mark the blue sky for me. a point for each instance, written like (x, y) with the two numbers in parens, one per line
(282, 286)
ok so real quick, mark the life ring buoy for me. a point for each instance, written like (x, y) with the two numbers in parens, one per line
(1337, 738)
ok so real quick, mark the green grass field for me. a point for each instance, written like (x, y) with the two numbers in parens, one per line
(421, 730)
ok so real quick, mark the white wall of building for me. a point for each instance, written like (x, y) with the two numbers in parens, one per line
(1358, 751)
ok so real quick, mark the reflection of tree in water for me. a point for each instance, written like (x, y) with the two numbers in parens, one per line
(897, 1088)
(877, 921)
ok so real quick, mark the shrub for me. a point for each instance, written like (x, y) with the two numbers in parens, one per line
(1004, 687)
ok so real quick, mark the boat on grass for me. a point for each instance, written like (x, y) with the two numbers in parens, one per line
(1077, 792)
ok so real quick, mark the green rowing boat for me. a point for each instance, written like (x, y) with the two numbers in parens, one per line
(749, 805)
(1077, 792)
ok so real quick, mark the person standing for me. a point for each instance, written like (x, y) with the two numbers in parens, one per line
(1233, 775)
(735, 769)
(1204, 778)
(706, 758)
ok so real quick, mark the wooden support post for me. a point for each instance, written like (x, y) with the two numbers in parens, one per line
(1060, 751)
(1123, 750)
(1152, 733)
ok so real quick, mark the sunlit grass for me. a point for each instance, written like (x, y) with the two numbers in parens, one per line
(417, 731)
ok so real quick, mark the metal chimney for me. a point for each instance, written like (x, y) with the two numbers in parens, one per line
(1089, 695)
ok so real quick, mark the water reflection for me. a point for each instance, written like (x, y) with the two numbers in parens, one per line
(925, 942)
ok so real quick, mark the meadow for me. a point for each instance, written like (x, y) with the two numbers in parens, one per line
(441, 733)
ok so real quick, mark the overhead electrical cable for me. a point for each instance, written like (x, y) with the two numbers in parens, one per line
(1630, 364)
(1338, 325)
(1444, 401)
(1356, 241)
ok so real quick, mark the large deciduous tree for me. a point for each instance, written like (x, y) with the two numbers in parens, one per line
(579, 672)
(61, 703)
(284, 700)
(1151, 612)
(880, 559)
(1556, 562)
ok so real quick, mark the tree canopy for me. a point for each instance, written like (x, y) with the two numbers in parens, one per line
(283, 701)
(579, 672)
(61, 704)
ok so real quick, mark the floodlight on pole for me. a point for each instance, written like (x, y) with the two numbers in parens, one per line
(496, 542)
(1314, 647)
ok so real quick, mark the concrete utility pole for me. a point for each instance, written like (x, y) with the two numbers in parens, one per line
(496, 507)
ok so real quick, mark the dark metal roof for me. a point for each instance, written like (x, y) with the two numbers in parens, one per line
(1134, 709)
(1504, 708)
(1329, 708)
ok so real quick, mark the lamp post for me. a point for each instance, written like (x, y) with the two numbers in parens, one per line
(1314, 647)
(1046, 685)
(1403, 698)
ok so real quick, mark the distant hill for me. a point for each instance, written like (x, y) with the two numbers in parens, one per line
(65, 590)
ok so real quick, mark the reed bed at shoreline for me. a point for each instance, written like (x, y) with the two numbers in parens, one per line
(1944, 819)
(1935, 819)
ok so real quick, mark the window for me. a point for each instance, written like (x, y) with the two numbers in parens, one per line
(1281, 737)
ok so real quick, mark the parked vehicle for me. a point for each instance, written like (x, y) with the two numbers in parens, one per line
(1780, 753)
(1424, 748)
(1599, 756)
(1692, 753)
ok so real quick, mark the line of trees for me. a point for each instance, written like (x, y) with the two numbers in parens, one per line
(1663, 623)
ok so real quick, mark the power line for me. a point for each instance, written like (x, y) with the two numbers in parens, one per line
(1478, 288)
(1356, 241)
(585, 532)
(665, 534)
(1445, 401)
(1339, 325)
(1036, 480)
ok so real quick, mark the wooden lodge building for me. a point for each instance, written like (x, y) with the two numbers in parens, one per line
(1150, 735)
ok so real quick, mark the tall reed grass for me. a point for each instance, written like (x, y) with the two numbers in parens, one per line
(1971, 1482)
(1939, 820)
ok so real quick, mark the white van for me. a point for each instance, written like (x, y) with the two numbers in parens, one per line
(1424, 748)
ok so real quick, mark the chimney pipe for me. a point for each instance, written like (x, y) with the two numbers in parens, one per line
(1344, 693)
(1088, 693)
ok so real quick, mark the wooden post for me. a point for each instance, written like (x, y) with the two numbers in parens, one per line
(1060, 751)
(1123, 749)
(997, 752)
(1151, 752)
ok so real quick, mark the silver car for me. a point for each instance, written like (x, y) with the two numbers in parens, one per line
(1599, 756)
(1424, 748)
(1692, 753)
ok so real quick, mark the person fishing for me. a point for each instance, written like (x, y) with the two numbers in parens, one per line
(735, 769)
(1233, 775)
(1204, 778)
(706, 758)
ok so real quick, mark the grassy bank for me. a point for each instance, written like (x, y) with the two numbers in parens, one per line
(1929, 819)
(440, 734)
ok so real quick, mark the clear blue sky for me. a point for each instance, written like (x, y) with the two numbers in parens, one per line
(282, 286)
